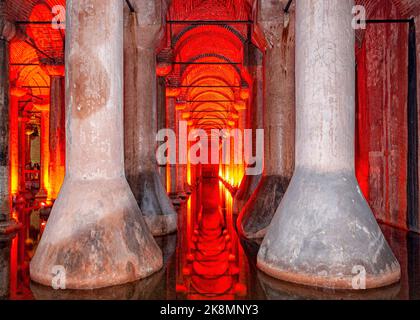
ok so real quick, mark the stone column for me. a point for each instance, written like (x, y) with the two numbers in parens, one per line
(7, 32)
(141, 120)
(162, 121)
(324, 233)
(57, 133)
(181, 168)
(15, 95)
(43, 193)
(171, 125)
(279, 119)
(255, 111)
(96, 233)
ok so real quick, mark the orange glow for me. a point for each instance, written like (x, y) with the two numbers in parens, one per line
(14, 140)
(163, 69)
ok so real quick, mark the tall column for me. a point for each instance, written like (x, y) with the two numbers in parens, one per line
(279, 118)
(141, 120)
(171, 125)
(324, 233)
(162, 121)
(255, 111)
(7, 32)
(181, 168)
(96, 232)
(57, 133)
(44, 109)
(15, 95)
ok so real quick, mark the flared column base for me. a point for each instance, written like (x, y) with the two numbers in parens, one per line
(324, 234)
(158, 210)
(245, 191)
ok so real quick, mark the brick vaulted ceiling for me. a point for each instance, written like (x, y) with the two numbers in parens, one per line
(43, 42)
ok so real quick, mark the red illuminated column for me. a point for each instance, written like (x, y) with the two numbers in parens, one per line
(44, 109)
(141, 120)
(7, 32)
(255, 109)
(96, 235)
(324, 233)
(181, 168)
(15, 95)
(279, 115)
(171, 125)
(57, 133)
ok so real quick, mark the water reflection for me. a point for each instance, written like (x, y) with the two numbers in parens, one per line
(209, 255)
(151, 288)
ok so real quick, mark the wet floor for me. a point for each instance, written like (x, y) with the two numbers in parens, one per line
(206, 260)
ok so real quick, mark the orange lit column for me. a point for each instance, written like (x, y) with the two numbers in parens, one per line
(96, 231)
(324, 233)
(44, 109)
(15, 95)
(141, 121)
(7, 32)
(181, 168)
(279, 107)
(170, 124)
(162, 122)
(255, 111)
(57, 133)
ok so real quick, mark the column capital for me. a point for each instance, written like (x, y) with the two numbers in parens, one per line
(7, 30)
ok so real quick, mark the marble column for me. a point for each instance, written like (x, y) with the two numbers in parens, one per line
(279, 119)
(57, 130)
(181, 168)
(15, 95)
(255, 115)
(96, 234)
(324, 233)
(141, 120)
(44, 192)
(162, 122)
(171, 125)
(8, 226)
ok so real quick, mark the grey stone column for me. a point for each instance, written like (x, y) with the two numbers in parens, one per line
(141, 120)
(279, 119)
(324, 233)
(96, 234)
(8, 227)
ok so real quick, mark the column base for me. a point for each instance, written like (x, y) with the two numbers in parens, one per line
(157, 209)
(258, 212)
(324, 234)
(245, 191)
(97, 234)
(279, 290)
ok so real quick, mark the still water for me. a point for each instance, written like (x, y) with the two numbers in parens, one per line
(207, 260)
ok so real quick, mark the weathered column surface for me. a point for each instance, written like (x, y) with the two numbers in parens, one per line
(141, 119)
(7, 32)
(255, 121)
(279, 119)
(96, 231)
(57, 133)
(324, 233)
